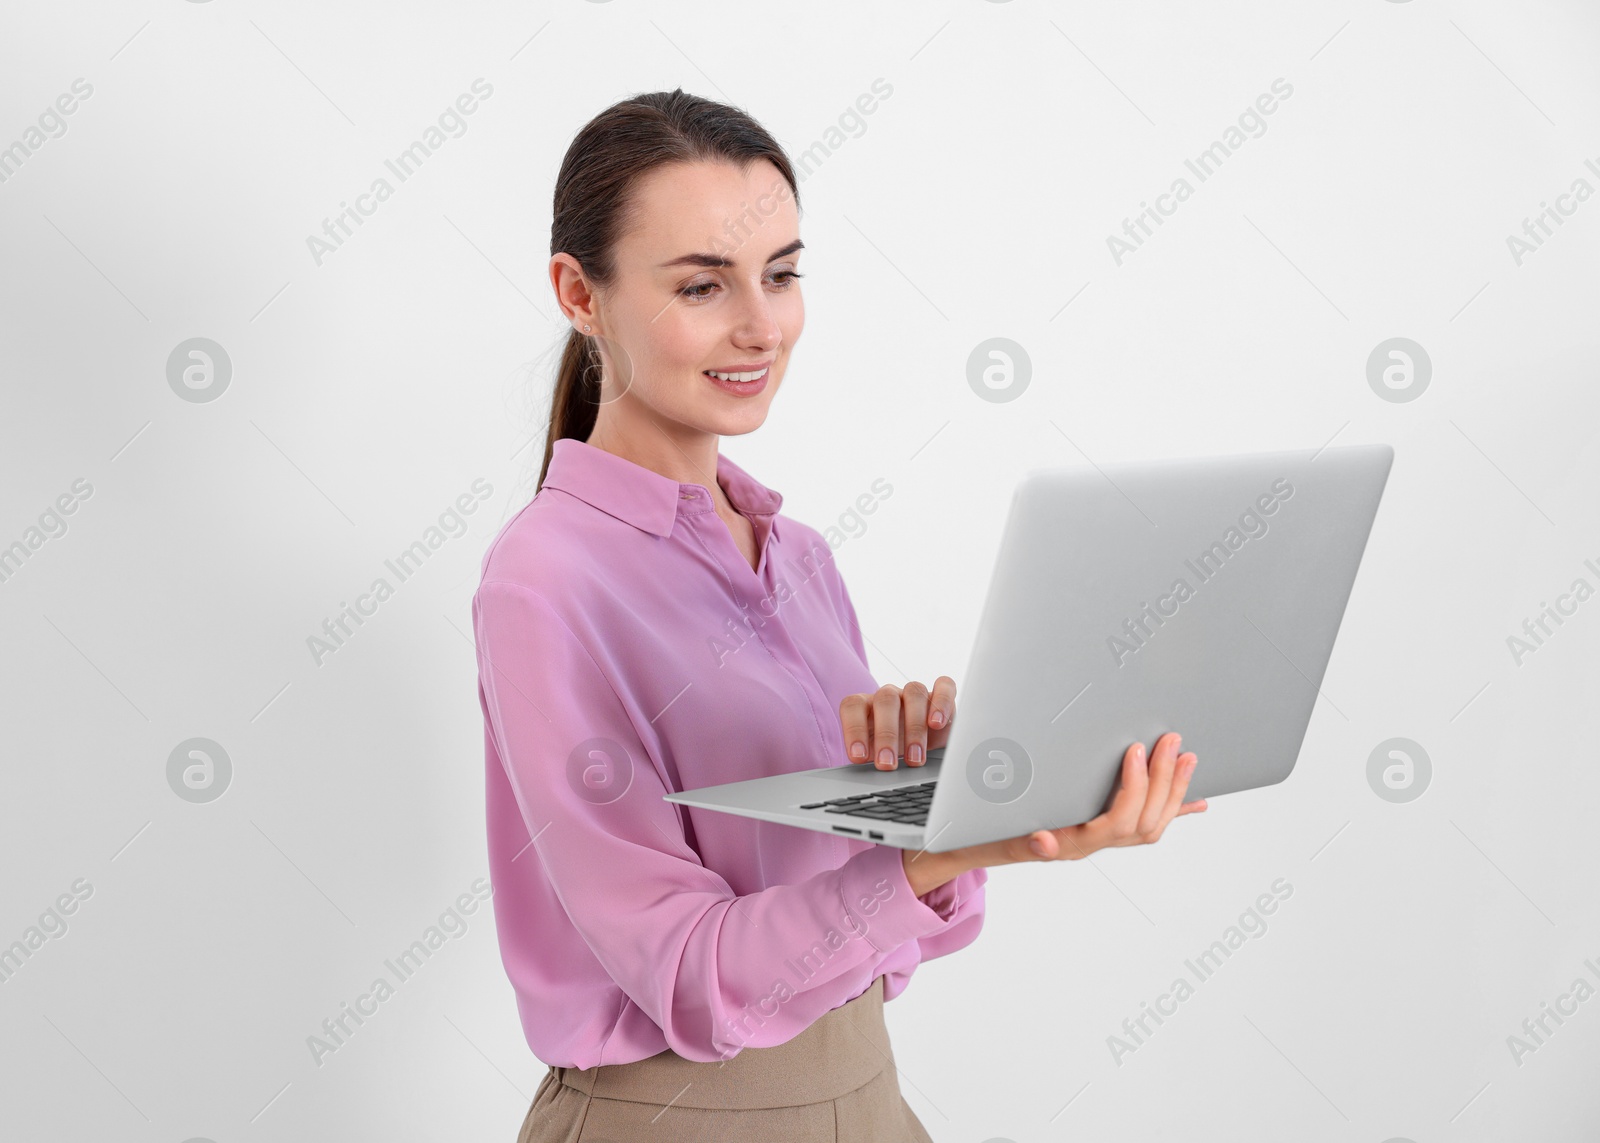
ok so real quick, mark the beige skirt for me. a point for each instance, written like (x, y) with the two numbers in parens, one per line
(833, 1083)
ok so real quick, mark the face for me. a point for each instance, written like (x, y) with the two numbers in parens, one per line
(706, 281)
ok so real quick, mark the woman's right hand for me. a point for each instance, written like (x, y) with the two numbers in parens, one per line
(1148, 797)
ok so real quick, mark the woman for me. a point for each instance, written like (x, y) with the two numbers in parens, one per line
(650, 623)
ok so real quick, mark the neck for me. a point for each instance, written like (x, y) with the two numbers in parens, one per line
(686, 456)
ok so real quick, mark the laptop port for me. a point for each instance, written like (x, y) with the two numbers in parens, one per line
(872, 833)
(847, 829)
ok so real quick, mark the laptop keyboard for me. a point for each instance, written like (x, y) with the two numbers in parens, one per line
(907, 805)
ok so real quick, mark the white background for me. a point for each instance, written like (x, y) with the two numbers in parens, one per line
(369, 391)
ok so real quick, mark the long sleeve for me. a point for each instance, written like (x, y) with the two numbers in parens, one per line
(694, 956)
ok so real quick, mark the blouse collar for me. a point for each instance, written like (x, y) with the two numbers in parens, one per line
(642, 497)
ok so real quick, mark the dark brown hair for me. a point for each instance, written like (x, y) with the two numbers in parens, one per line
(593, 208)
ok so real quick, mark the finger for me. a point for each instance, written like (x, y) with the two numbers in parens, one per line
(1182, 767)
(854, 717)
(1122, 817)
(1198, 807)
(1049, 846)
(1022, 848)
(914, 717)
(1181, 774)
(1162, 763)
(942, 704)
(1071, 843)
(886, 727)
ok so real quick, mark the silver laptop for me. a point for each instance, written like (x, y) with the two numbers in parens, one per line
(1198, 595)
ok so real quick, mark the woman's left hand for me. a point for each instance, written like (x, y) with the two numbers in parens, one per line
(897, 722)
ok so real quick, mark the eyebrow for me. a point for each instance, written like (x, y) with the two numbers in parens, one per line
(716, 261)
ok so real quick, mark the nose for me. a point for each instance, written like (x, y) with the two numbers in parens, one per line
(756, 327)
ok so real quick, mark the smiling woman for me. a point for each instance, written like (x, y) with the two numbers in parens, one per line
(687, 974)
(697, 278)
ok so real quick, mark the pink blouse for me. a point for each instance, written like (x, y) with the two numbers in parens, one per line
(626, 650)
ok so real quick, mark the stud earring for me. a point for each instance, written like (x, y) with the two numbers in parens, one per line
(585, 329)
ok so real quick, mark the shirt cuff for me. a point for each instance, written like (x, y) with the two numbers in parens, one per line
(944, 899)
(880, 905)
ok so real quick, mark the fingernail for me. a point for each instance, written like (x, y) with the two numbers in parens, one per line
(914, 754)
(886, 758)
(936, 718)
(1037, 847)
(858, 751)
(1138, 752)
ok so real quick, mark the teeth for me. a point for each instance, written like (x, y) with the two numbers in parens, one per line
(736, 376)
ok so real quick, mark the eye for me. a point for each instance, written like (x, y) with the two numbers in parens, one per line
(784, 279)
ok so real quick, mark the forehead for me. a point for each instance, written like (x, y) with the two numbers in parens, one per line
(711, 207)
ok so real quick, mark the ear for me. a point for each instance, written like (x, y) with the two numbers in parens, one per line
(573, 292)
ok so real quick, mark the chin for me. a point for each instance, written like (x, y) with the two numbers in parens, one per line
(738, 424)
